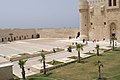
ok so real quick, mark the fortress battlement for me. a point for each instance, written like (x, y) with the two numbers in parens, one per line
(94, 2)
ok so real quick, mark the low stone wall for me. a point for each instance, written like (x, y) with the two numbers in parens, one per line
(6, 72)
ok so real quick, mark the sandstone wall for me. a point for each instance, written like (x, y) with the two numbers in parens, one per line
(58, 32)
(20, 34)
(17, 34)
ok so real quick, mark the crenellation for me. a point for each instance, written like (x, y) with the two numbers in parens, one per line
(94, 2)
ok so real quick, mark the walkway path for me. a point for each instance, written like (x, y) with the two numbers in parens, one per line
(55, 56)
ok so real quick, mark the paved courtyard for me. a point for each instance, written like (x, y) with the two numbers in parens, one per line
(30, 46)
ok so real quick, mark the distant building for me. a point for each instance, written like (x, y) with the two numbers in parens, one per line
(99, 19)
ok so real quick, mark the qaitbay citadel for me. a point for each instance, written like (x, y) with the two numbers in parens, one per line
(89, 52)
(99, 19)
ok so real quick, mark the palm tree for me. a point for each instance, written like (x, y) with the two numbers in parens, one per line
(21, 64)
(97, 48)
(11, 36)
(78, 48)
(99, 69)
(43, 60)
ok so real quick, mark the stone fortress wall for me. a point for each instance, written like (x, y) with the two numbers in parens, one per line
(101, 20)
(58, 32)
(21, 34)
(16, 34)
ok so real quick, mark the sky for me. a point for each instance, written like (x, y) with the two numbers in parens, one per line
(39, 13)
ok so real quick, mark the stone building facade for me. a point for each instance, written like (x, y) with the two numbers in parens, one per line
(99, 19)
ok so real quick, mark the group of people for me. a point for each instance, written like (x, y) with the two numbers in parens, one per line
(69, 49)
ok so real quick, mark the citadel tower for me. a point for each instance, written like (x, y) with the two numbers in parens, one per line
(99, 19)
(83, 10)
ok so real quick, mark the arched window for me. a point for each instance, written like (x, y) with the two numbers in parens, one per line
(114, 2)
(91, 23)
(104, 23)
(112, 28)
(110, 2)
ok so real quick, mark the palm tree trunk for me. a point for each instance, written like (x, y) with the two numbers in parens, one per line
(78, 56)
(99, 72)
(44, 67)
(97, 52)
(23, 73)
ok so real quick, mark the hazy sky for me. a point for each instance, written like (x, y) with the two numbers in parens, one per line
(38, 13)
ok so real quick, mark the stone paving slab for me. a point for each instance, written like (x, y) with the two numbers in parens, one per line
(65, 60)
(24, 46)
(38, 67)
(83, 55)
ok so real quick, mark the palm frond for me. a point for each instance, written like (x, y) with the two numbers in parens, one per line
(98, 63)
(40, 60)
(97, 46)
(43, 56)
(101, 65)
(82, 49)
(22, 63)
(79, 46)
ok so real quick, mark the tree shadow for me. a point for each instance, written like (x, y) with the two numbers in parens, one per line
(83, 62)
(103, 78)
(46, 75)
(99, 55)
